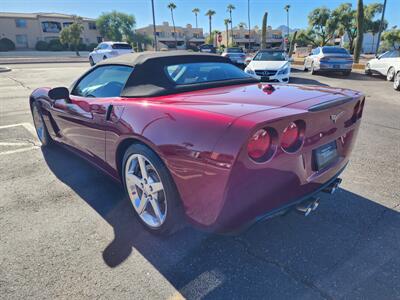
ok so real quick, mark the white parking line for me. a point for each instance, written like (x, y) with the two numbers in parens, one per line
(31, 130)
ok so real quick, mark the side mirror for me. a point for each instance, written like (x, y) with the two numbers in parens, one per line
(59, 93)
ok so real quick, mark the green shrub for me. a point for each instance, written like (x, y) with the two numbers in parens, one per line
(91, 47)
(82, 47)
(42, 46)
(55, 45)
(6, 44)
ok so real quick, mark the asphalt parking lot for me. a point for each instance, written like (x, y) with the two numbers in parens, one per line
(68, 231)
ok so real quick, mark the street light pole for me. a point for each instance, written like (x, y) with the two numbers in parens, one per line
(154, 26)
(287, 7)
(248, 16)
(380, 28)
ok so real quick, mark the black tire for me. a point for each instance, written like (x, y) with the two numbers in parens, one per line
(174, 214)
(104, 57)
(368, 70)
(396, 82)
(346, 73)
(390, 74)
(305, 69)
(91, 61)
(40, 125)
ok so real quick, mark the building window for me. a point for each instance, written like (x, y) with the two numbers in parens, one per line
(66, 24)
(53, 27)
(20, 23)
(22, 40)
(92, 26)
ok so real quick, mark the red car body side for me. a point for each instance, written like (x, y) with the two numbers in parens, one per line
(201, 136)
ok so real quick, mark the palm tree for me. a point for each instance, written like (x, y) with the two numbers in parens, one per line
(196, 11)
(264, 31)
(226, 22)
(210, 13)
(229, 9)
(360, 30)
(287, 7)
(172, 6)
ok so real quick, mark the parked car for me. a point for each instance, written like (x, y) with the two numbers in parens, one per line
(270, 65)
(396, 81)
(384, 64)
(107, 50)
(202, 139)
(207, 48)
(236, 55)
(329, 59)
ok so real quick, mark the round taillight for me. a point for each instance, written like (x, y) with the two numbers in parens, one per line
(259, 144)
(290, 136)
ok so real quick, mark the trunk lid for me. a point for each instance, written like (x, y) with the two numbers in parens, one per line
(237, 101)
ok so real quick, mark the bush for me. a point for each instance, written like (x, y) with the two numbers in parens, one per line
(91, 47)
(42, 46)
(82, 47)
(6, 44)
(55, 45)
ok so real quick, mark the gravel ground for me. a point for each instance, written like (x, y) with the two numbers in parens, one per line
(67, 231)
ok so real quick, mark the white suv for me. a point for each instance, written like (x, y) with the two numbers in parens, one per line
(107, 50)
(384, 64)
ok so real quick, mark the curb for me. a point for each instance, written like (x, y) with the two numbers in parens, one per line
(4, 69)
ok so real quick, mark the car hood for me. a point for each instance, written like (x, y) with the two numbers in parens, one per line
(267, 65)
(245, 99)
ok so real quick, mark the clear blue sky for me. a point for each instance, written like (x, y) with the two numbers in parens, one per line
(141, 9)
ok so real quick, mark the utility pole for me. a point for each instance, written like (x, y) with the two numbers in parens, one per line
(380, 28)
(154, 26)
(248, 16)
(287, 7)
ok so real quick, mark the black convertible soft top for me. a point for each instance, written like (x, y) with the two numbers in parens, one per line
(149, 77)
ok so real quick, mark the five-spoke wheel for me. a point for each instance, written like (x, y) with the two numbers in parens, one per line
(40, 126)
(151, 189)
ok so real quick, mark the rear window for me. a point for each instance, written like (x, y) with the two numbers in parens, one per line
(121, 46)
(193, 73)
(334, 50)
(234, 50)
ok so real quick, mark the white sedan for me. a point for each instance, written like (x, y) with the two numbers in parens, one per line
(384, 64)
(107, 50)
(270, 65)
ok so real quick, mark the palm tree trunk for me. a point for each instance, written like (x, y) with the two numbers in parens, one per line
(360, 31)
(227, 35)
(264, 31)
(196, 21)
(230, 16)
(209, 19)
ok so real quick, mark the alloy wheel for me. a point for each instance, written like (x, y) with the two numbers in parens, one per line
(396, 83)
(146, 191)
(390, 74)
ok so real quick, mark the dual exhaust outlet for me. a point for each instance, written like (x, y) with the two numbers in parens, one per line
(306, 207)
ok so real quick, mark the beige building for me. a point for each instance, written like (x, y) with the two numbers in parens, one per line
(26, 29)
(241, 37)
(185, 36)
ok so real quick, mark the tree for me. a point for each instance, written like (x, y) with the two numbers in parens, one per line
(264, 31)
(307, 37)
(210, 13)
(229, 9)
(140, 40)
(322, 25)
(371, 24)
(292, 42)
(115, 26)
(171, 7)
(71, 35)
(226, 22)
(346, 19)
(196, 11)
(392, 38)
(360, 31)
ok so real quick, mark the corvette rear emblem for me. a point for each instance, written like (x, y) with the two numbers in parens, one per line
(336, 117)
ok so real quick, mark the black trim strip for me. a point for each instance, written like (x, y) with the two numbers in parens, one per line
(329, 104)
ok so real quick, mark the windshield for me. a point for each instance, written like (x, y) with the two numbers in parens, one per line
(270, 56)
(192, 73)
(334, 50)
(234, 50)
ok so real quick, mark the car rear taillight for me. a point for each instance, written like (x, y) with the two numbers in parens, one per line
(259, 144)
(292, 136)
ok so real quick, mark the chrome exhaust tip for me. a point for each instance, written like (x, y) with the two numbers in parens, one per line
(333, 187)
(306, 207)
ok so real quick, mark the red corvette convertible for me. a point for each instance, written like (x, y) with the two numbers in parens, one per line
(192, 135)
